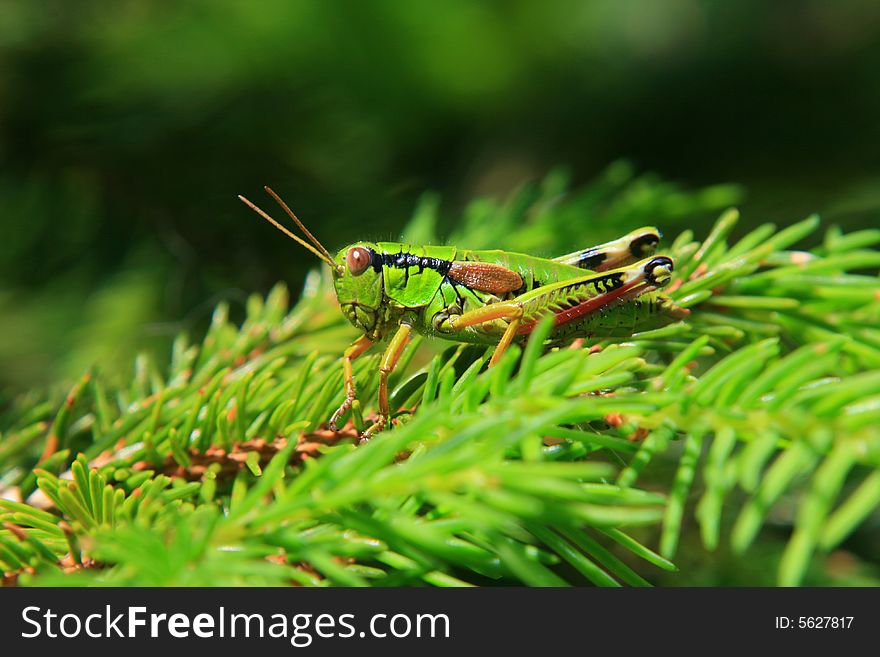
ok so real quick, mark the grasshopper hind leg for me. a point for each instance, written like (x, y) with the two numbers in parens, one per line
(571, 301)
(635, 245)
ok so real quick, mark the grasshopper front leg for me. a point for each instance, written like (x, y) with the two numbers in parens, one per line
(386, 367)
(389, 361)
(357, 347)
(568, 301)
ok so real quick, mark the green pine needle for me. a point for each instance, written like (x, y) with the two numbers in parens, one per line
(757, 416)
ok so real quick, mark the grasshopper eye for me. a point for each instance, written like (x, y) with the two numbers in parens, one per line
(357, 259)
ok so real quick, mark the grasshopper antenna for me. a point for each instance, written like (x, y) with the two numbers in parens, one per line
(322, 254)
(296, 220)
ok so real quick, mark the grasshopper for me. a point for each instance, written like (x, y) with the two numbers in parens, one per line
(388, 289)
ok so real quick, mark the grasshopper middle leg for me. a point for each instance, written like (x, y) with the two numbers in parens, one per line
(512, 311)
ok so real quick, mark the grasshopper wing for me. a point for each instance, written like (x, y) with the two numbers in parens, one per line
(485, 277)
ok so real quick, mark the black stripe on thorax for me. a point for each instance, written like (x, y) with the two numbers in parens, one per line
(403, 260)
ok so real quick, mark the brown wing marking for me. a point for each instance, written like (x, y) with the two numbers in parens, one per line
(485, 277)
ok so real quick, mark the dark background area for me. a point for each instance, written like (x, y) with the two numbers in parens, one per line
(127, 129)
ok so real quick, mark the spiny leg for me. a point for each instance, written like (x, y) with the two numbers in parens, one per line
(356, 348)
(389, 361)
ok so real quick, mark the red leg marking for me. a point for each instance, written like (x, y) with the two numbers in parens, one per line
(583, 308)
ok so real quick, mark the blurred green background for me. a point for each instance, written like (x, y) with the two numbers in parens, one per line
(128, 128)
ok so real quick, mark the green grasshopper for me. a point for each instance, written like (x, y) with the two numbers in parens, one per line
(487, 297)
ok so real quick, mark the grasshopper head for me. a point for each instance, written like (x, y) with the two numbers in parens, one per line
(358, 281)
